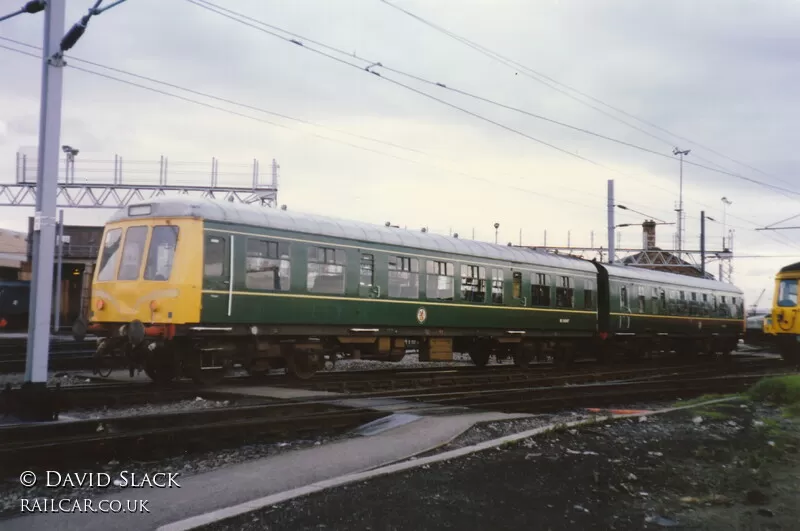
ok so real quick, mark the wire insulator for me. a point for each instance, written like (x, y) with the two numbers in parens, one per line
(74, 33)
(34, 6)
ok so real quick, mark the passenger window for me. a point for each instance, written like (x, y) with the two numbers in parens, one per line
(267, 265)
(132, 253)
(473, 283)
(214, 260)
(108, 261)
(564, 293)
(540, 290)
(326, 270)
(440, 285)
(161, 253)
(497, 286)
(403, 277)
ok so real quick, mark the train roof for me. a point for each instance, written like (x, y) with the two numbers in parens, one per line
(663, 277)
(791, 268)
(259, 216)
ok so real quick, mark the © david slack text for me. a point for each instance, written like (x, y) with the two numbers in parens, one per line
(124, 479)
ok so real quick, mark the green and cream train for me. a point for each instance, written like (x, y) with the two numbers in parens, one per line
(192, 286)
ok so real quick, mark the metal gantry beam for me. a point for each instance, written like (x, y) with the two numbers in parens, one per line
(118, 196)
(104, 184)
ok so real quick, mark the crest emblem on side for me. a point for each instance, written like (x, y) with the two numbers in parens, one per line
(421, 315)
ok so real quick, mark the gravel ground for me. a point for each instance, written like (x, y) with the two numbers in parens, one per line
(65, 378)
(728, 466)
(146, 409)
(410, 361)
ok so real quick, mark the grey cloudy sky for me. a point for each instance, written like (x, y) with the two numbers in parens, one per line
(722, 73)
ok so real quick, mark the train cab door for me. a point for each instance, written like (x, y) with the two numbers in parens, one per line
(217, 267)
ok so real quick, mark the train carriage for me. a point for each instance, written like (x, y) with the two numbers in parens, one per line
(192, 286)
(654, 310)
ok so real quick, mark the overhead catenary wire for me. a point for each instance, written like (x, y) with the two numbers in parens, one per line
(251, 22)
(323, 137)
(302, 121)
(547, 80)
(245, 19)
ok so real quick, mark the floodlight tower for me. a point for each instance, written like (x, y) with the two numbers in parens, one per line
(679, 243)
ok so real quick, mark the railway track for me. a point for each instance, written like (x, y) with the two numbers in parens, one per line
(64, 355)
(159, 435)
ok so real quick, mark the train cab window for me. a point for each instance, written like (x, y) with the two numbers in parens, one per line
(497, 286)
(540, 290)
(588, 294)
(623, 297)
(641, 299)
(440, 284)
(787, 293)
(367, 271)
(214, 264)
(516, 285)
(403, 277)
(110, 255)
(473, 283)
(326, 270)
(132, 253)
(267, 265)
(161, 254)
(564, 293)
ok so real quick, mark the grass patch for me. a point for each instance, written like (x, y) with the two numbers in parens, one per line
(711, 414)
(781, 391)
(701, 399)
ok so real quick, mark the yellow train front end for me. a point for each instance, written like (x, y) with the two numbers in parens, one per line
(783, 322)
(147, 283)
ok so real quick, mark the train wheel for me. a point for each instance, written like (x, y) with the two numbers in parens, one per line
(479, 357)
(302, 365)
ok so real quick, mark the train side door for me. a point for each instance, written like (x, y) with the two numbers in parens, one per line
(624, 308)
(217, 270)
(518, 289)
(368, 286)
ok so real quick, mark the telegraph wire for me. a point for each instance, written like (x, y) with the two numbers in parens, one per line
(235, 113)
(230, 14)
(304, 121)
(540, 77)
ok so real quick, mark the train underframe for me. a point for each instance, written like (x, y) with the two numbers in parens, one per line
(207, 353)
